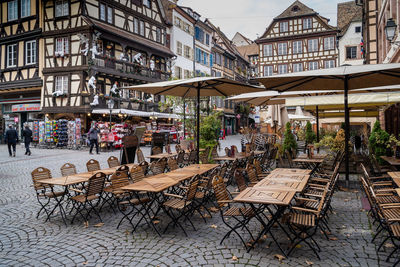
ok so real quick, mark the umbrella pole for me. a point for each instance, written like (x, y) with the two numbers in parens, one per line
(317, 111)
(198, 122)
(184, 119)
(347, 127)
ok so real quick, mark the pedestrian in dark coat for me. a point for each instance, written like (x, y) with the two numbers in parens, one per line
(92, 135)
(27, 134)
(11, 139)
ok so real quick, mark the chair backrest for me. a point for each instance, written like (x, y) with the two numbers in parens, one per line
(192, 187)
(93, 165)
(156, 167)
(231, 170)
(140, 156)
(144, 165)
(137, 174)
(123, 168)
(181, 157)
(172, 164)
(68, 169)
(257, 166)
(163, 163)
(250, 159)
(227, 151)
(178, 148)
(113, 162)
(119, 179)
(96, 184)
(214, 152)
(193, 156)
(220, 192)
(251, 172)
(240, 182)
(156, 150)
(40, 174)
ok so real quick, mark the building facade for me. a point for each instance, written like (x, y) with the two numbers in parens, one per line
(370, 30)
(299, 39)
(21, 61)
(351, 45)
(91, 48)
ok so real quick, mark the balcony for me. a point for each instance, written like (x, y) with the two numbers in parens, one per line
(127, 104)
(129, 70)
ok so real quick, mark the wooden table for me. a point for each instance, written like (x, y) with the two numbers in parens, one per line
(241, 155)
(392, 161)
(315, 156)
(290, 171)
(398, 191)
(263, 198)
(307, 163)
(285, 184)
(396, 177)
(163, 155)
(106, 171)
(66, 180)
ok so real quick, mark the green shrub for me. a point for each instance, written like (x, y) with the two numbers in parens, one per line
(310, 135)
(378, 141)
(290, 143)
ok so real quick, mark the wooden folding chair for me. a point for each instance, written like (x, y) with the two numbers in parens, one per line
(180, 159)
(140, 156)
(93, 165)
(68, 169)
(113, 162)
(136, 174)
(172, 164)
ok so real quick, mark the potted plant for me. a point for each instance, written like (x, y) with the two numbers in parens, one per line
(394, 144)
(378, 142)
(290, 144)
(310, 137)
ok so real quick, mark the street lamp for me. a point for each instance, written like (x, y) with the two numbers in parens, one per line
(390, 30)
(110, 105)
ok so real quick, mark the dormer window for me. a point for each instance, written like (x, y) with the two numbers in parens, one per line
(147, 3)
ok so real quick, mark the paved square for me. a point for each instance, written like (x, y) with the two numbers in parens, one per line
(25, 240)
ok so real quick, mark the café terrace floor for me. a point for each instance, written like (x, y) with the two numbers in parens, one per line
(25, 240)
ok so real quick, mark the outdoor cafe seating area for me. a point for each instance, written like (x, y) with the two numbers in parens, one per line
(238, 187)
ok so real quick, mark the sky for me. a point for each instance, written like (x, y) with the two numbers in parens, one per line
(252, 17)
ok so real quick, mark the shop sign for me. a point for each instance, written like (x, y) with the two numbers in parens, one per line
(238, 116)
(16, 119)
(25, 107)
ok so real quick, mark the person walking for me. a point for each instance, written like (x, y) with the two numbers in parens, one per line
(92, 134)
(27, 134)
(11, 139)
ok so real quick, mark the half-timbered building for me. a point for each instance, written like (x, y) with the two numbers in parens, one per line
(20, 66)
(298, 39)
(92, 48)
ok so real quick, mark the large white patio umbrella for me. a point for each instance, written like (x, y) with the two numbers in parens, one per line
(343, 78)
(197, 87)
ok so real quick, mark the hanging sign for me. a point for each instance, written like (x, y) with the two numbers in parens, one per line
(25, 107)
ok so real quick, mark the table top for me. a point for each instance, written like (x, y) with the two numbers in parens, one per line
(398, 191)
(315, 156)
(152, 184)
(394, 175)
(163, 155)
(290, 171)
(241, 155)
(282, 184)
(196, 168)
(307, 160)
(391, 160)
(65, 181)
(258, 195)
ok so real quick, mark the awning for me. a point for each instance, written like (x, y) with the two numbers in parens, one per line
(136, 113)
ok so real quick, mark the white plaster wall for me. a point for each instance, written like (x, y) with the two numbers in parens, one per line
(351, 38)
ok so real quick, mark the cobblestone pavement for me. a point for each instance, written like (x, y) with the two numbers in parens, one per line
(27, 241)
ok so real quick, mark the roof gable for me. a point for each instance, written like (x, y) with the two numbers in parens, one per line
(348, 12)
(296, 9)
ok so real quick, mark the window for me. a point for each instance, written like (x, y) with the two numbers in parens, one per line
(186, 74)
(102, 12)
(329, 64)
(351, 52)
(211, 60)
(268, 70)
(12, 10)
(179, 48)
(62, 8)
(297, 67)
(11, 55)
(205, 58)
(358, 29)
(61, 84)
(198, 55)
(109, 15)
(268, 50)
(225, 62)
(30, 52)
(25, 8)
(187, 51)
(282, 69)
(178, 72)
(307, 23)
(141, 26)
(158, 35)
(297, 47)
(62, 46)
(329, 43)
(230, 64)
(207, 39)
(313, 65)
(218, 59)
(136, 25)
(282, 49)
(312, 45)
(284, 26)
(147, 3)
(199, 34)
